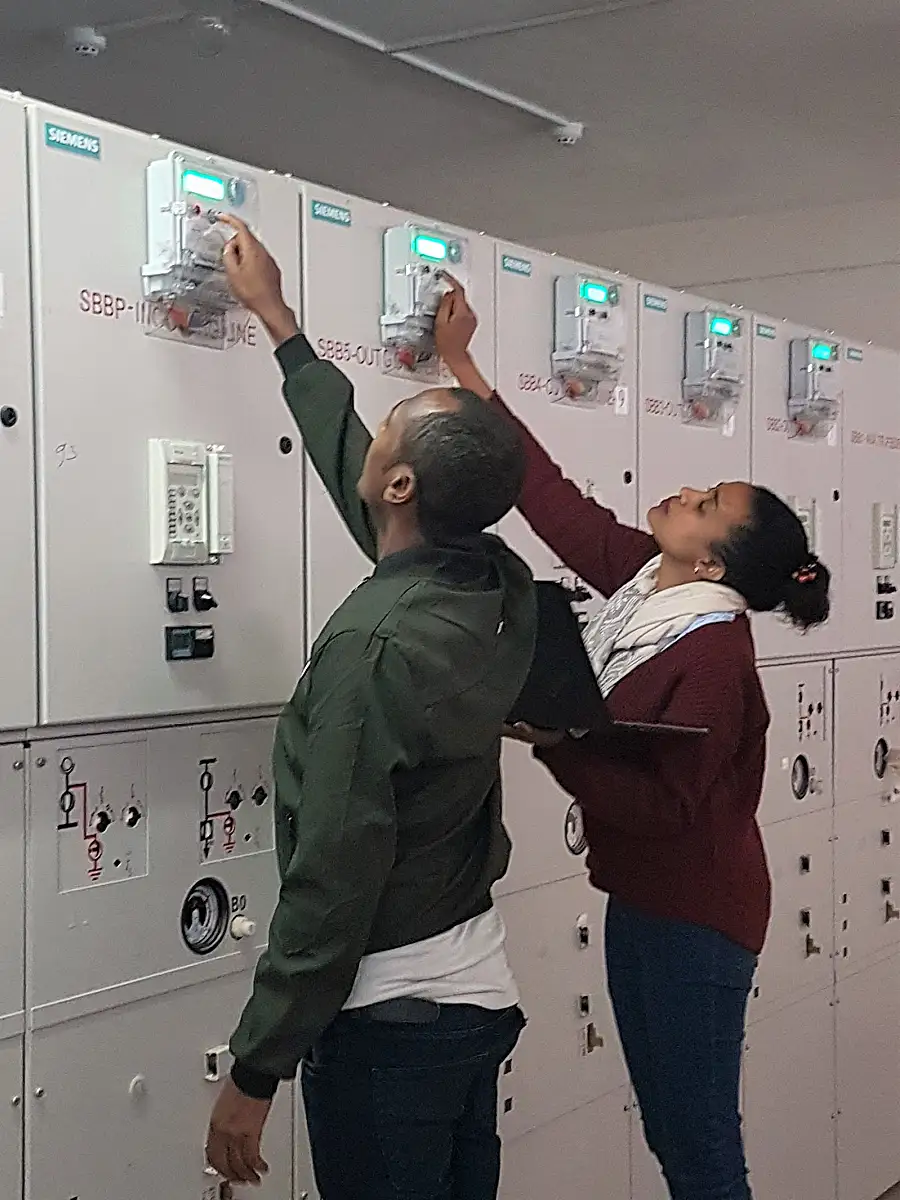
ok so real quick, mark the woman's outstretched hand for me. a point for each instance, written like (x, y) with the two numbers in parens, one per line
(454, 325)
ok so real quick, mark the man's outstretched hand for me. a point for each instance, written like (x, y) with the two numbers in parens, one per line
(255, 281)
(235, 1133)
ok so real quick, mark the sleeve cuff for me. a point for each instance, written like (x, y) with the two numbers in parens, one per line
(254, 1084)
(294, 354)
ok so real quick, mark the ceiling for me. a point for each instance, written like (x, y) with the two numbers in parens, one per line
(693, 108)
(405, 23)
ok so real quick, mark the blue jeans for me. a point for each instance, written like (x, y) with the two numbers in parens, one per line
(679, 993)
(408, 1111)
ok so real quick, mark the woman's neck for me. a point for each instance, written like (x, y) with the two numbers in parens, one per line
(672, 573)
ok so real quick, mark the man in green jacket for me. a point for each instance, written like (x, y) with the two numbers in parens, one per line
(386, 973)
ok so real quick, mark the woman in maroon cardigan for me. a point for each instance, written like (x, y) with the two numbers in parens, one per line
(671, 824)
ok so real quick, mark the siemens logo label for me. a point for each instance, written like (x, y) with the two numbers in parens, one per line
(331, 213)
(656, 303)
(516, 266)
(70, 139)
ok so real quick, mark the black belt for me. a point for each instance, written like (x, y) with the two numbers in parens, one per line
(406, 1010)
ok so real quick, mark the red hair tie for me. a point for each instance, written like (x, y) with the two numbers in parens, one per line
(806, 574)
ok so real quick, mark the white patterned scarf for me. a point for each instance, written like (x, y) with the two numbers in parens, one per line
(637, 621)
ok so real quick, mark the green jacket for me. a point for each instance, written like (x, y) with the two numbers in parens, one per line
(387, 760)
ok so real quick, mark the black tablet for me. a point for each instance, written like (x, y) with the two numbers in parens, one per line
(561, 691)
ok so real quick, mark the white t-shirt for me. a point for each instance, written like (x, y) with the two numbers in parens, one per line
(466, 965)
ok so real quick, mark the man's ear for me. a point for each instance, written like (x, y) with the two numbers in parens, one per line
(401, 485)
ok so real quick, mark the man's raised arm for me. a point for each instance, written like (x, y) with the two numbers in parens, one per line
(319, 396)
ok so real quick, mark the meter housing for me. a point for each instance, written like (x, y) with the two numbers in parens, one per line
(589, 339)
(185, 239)
(814, 395)
(715, 367)
(415, 265)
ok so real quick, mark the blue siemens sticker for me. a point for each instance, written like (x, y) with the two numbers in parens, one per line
(333, 213)
(516, 266)
(656, 303)
(58, 138)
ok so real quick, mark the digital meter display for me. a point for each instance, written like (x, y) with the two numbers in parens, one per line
(721, 326)
(595, 293)
(210, 187)
(824, 351)
(430, 247)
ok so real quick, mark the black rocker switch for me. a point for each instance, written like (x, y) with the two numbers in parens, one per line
(203, 597)
(176, 600)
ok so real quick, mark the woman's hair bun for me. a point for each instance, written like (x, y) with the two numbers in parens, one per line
(806, 595)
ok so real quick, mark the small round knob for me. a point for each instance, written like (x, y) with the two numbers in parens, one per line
(102, 822)
(242, 927)
(234, 799)
(132, 816)
(138, 1086)
(8, 416)
(39, 1093)
(16, 1101)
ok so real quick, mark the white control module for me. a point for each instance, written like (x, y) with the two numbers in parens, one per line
(185, 238)
(220, 479)
(814, 395)
(415, 262)
(805, 508)
(884, 537)
(589, 339)
(191, 502)
(715, 367)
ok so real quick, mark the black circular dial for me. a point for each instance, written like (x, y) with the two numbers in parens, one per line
(800, 777)
(204, 916)
(880, 758)
(576, 842)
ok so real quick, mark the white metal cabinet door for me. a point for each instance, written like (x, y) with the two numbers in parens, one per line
(342, 302)
(120, 1099)
(868, 1068)
(799, 770)
(789, 1102)
(581, 1155)
(104, 390)
(675, 454)
(569, 1054)
(807, 472)
(18, 651)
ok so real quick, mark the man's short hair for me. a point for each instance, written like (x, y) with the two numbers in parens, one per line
(469, 466)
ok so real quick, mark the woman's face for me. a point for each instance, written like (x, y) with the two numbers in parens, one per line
(688, 525)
